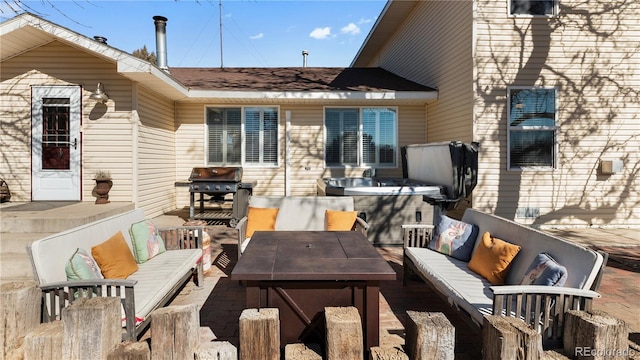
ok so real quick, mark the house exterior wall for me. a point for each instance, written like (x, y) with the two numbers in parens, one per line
(107, 135)
(155, 153)
(433, 47)
(306, 150)
(590, 53)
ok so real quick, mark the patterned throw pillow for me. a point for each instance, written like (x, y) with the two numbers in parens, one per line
(454, 238)
(544, 270)
(81, 266)
(146, 241)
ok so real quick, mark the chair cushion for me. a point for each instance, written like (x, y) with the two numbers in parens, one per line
(454, 238)
(337, 220)
(492, 258)
(261, 219)
(81, 266)
(114, 258)
(544, 270)
(146, 241)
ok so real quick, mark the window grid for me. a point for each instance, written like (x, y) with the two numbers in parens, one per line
(361, 137)
(242, 136)
(532, 129)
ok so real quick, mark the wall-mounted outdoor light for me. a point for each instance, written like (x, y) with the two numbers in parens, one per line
(99, 96)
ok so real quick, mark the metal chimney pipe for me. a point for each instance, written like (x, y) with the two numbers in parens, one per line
(305, 53)
(161, 42)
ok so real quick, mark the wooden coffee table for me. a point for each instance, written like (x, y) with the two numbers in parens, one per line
(302, 272)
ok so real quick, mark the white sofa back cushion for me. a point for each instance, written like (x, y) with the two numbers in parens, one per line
(582, 264)
(50, 254)
(302, 212)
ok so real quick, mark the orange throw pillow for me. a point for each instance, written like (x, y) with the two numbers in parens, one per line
(115, 258)
(492, 258)
(261, 219)
(337, 220)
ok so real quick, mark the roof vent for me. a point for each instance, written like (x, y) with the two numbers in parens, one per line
(305, 53)
(161, 42)
(100, 39)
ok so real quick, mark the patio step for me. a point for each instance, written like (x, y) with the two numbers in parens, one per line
(53, 217)
(24, 223)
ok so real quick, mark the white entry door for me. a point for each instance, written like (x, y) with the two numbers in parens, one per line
(55, 142)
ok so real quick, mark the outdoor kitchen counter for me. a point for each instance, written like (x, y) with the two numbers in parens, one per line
(302, 272)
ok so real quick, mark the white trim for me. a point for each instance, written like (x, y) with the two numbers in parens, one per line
(314, 95)
(135, 129)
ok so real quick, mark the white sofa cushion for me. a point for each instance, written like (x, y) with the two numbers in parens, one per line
(582, 264)
(302, 212)
(157, 277)
(452, 278)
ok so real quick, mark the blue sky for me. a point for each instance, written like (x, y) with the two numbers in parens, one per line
(256, 33)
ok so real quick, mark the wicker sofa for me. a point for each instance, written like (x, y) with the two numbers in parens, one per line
(299, 213)
(542, 307)
(153, 285)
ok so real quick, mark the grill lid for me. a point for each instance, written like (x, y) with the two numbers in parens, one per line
(221, 174)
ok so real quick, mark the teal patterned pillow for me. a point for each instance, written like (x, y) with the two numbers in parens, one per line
(454, 238)
(146, 241)
(81, 266)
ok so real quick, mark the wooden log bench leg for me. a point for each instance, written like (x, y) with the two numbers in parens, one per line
(130, 350)
(92, 327)
(20, 305)
(259, 332)
(44, 342)
(379, 353)
(595, 335)
(175, 332)
(429, 336)
(344, 336)
(509, 338)
(217, 350)
(301, 351)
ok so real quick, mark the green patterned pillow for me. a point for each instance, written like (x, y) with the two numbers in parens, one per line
(146, 241)
(81, 266)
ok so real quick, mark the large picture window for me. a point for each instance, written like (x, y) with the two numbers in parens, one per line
(228, 145)
(361, 137)
(533, 7)
(532, 133)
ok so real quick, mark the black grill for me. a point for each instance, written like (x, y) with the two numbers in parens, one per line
(217, 182)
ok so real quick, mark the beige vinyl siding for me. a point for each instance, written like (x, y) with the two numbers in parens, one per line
(306, 148)
(591, 55)
(156, 153)
(434, 47)
(107, 131)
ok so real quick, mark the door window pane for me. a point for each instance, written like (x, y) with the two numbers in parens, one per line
(56, 134)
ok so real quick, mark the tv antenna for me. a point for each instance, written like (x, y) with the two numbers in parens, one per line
(221, 61)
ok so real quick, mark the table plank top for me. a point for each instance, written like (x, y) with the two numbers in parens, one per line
(311, 255)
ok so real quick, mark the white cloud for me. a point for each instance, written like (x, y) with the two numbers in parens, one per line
(364, 21)
(351, 29)
(256, 37)
(321, 33)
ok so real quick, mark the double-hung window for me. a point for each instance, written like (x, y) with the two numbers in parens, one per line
(532, 129)
(242, 136)
(533, 7)
(361, 137)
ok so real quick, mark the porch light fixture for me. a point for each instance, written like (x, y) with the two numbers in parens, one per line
(99, 96)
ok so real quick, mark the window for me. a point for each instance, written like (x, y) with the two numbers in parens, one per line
(532, 128)
(533, 7)
(360, 137)
(227, 145)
